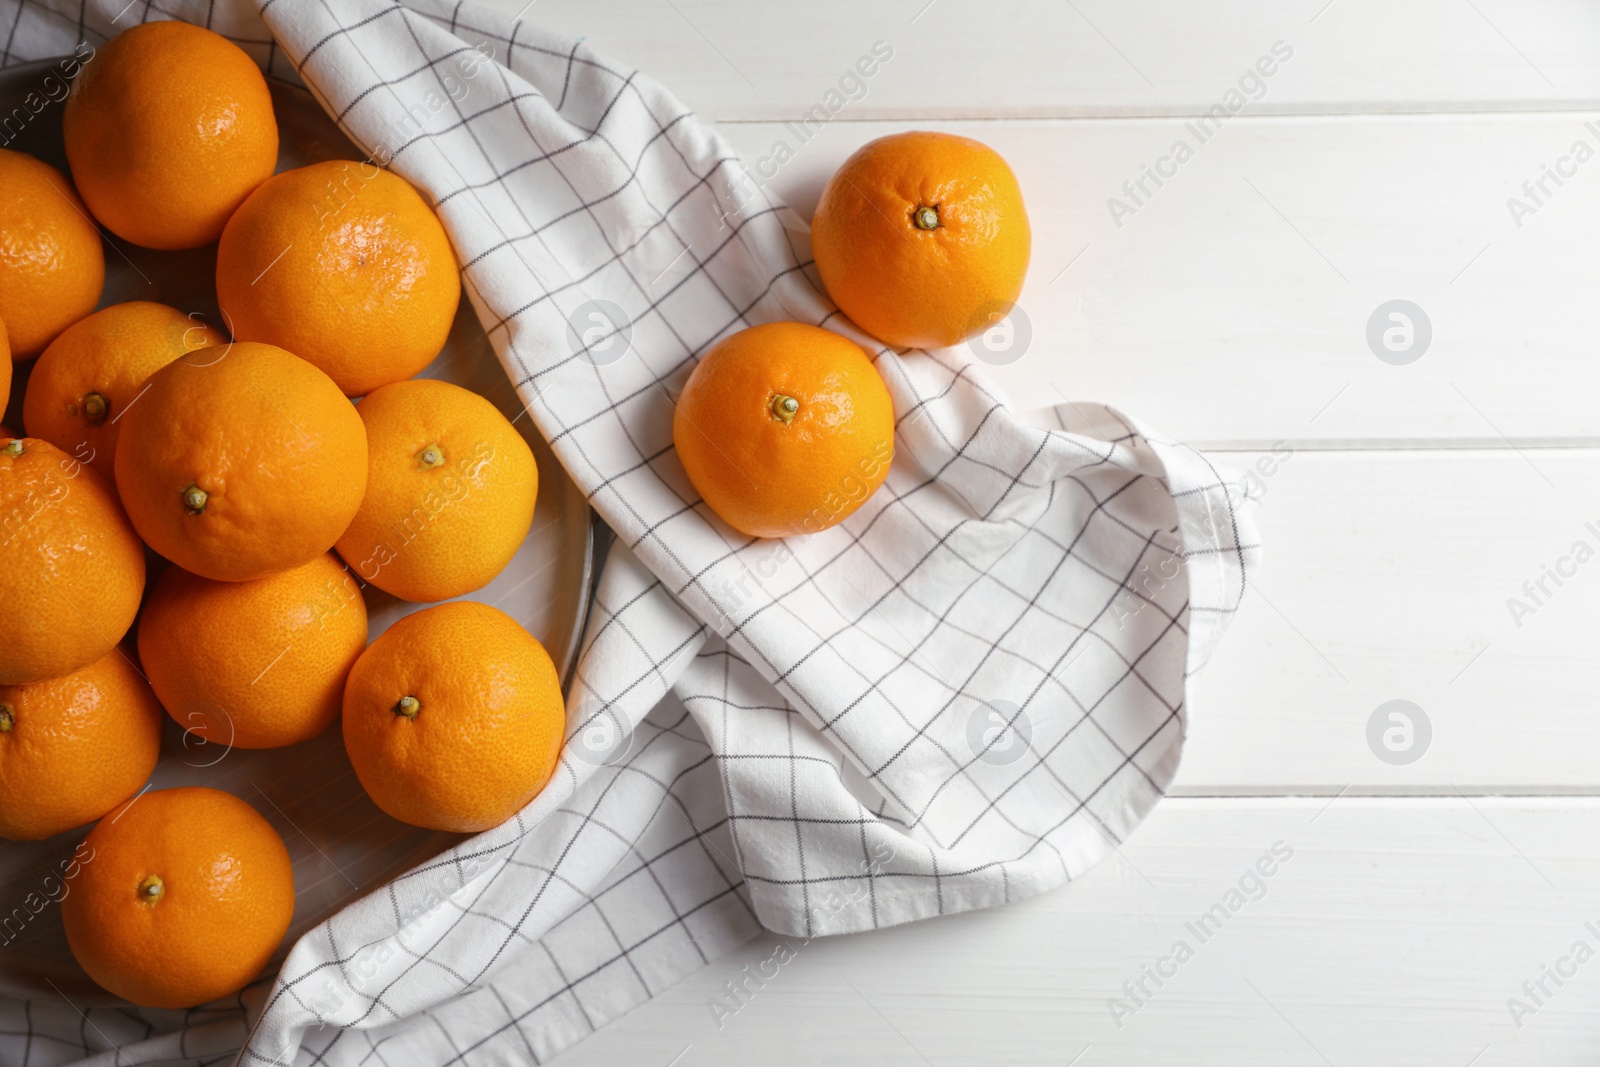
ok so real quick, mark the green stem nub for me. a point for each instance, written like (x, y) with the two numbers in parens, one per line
(784, 408)
(408, 706)
(95, 408)
(151, 888)
(8, 718)
(430, 457)
(925, 217)
(194, 498)
(12, 447)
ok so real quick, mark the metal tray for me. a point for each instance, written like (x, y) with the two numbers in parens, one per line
(343, 847)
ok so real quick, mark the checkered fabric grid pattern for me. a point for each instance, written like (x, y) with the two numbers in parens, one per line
(818, 736)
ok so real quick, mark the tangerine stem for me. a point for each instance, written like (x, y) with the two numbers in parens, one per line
(784, 408)
(8, 718)
(408, 707)
(925, 217)
(95, 408)
(430, 457)
(13, 447)
(194, 498)
(151, 888)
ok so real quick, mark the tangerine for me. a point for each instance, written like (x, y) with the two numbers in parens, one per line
(52, 267)
(922, 238)
(87, 377)
(784, 429)
(71, 566)
(256, 664)
(348, 269)
(186, 897)
(167, 130)
(74, 747)
(453, 718)
(240, 461)
(450, 492)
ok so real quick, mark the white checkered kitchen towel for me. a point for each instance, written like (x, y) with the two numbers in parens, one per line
(965, 694)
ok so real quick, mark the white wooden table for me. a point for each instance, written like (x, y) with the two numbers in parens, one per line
(1231, 307)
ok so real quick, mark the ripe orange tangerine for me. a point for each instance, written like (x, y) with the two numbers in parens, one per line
(89, 375)
(240, 461)
(346, 266)
(71, 567)
(72, 748)
(784, 429)
(187, 896)
(453, 718)
(51, 265)
(922, 238)
(257, 664)
(451, 487)
(167, 130)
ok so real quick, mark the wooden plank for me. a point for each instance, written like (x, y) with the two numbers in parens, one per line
(1232, 307)
(1390, 576)
(731, 59)
(1395, 933)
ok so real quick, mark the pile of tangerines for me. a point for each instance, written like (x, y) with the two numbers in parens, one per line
(236, 465)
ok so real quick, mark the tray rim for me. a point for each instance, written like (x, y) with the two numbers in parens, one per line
(595, 531)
